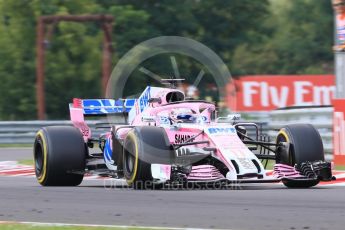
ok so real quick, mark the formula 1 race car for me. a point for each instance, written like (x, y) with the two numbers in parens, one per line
(170, 140)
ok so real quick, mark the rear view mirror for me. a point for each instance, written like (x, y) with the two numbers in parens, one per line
(234, 117)
(148, 118)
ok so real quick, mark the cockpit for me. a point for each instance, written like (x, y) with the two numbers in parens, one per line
(185, 112)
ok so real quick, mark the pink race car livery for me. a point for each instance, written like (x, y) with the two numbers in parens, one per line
(169, 140)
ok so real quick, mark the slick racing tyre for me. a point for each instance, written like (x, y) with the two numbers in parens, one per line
(144, 146)
(117, 154)
(305, 144)
(59, 156)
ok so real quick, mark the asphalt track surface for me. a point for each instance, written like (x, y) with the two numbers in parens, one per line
(269, 206)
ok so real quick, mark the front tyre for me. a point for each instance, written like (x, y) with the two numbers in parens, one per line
(59, 156)
(305, 144)
(136, 171)
(144, 146)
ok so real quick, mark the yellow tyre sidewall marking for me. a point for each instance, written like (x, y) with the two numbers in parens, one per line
(44, 167)
(282, 132)
(131, 135)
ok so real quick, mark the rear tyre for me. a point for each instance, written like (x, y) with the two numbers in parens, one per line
(305, 145)
(144, 146)
(117, 155)
(59, 156)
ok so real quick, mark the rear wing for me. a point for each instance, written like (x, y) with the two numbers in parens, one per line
(96, 107)
(91, 107)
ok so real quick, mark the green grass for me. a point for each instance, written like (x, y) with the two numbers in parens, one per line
(26, 162)
(339, 167)
(270, 164)
(10, 226)
(16, 145)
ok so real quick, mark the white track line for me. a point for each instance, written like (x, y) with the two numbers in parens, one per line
(98, 225)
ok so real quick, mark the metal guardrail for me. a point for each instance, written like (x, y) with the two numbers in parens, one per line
(320, 117)
(23, 132)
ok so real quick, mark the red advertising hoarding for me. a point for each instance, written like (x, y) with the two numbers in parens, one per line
(268, 92)
(339, 131)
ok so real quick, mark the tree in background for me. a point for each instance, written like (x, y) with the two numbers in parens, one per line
(252, 37)
(298, 40)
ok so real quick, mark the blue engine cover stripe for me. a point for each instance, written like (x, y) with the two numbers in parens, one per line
(106, 106)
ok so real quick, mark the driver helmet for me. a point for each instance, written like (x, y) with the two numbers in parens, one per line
(185, 115)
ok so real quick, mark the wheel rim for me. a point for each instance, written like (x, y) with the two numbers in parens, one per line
(130, 163)
(129, 158)
(282, 138)
(38, 159)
